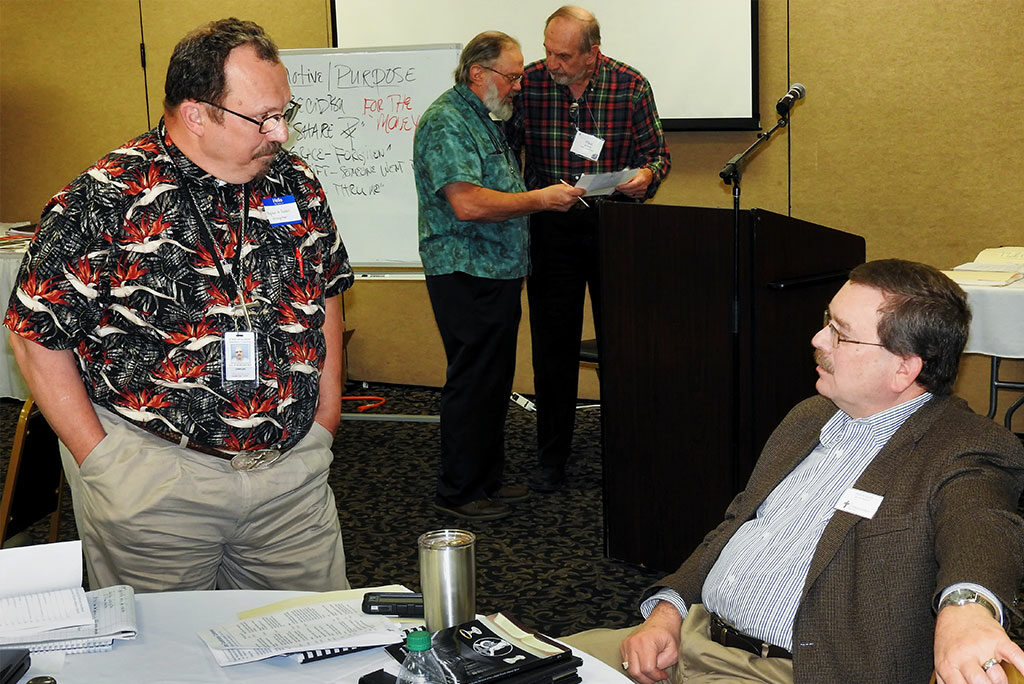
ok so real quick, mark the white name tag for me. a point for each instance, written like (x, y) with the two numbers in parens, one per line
(857, 502)
(281, 211)
(587, 146)
(239, 353)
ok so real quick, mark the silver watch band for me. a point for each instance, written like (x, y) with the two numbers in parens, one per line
(962, 596)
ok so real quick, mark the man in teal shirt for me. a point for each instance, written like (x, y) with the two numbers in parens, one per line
(474, 243)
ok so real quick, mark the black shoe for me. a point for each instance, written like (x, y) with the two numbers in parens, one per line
(510, 494)
(481, 509)
(547, 480)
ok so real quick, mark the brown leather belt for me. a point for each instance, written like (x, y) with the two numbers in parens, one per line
(727, 635)
(260, 459)
(209, 451)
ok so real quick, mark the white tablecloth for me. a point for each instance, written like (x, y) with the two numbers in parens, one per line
(168, 650)
(997, 326)
(11, 382)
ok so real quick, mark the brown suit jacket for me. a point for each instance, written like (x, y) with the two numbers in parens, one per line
(951, 481)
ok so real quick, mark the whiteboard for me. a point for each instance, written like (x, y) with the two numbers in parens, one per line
(360, 108)
(699, 55)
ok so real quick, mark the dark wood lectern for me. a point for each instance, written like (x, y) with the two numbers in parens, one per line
(690, 391)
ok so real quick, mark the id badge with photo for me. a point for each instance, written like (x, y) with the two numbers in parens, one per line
(239, 353)
(587, 146)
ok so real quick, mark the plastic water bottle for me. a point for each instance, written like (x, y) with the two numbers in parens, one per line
(421, 665)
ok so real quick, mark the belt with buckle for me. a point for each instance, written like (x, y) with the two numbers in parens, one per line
(727, 635)
(258, 459)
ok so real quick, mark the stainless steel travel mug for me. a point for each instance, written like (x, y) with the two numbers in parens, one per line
(447, 577)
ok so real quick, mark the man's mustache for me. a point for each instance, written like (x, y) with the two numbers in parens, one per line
(268, 149)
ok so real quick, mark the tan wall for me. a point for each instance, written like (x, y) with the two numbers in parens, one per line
(909, 136)
(910, 133)
(72, 85)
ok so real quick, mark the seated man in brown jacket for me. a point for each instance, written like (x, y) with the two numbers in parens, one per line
(878, 536)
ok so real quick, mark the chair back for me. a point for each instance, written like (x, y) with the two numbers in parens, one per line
(35, 478)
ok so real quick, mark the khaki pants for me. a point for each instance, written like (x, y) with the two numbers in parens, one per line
(159, 517)
(701, 660)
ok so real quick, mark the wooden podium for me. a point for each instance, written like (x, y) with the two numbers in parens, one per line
(689, 391)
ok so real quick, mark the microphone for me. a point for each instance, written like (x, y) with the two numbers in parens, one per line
(796, 92)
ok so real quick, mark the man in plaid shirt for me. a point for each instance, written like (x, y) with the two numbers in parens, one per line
(579, 112)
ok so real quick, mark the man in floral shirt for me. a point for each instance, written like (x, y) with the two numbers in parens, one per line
(177, 320)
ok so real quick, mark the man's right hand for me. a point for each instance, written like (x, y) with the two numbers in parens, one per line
(654, 645)
(560, 197)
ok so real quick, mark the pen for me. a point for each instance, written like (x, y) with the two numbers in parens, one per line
(579, 198)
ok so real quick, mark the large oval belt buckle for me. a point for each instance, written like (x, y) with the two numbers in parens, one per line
(261, 459)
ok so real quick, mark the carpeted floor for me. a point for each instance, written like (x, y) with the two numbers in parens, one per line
(545, 564)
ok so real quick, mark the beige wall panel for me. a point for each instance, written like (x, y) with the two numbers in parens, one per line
(71, 89)
(292, 24)
(910, 134)
(396, 339)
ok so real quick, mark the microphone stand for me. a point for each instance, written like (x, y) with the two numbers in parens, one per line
(731, 174)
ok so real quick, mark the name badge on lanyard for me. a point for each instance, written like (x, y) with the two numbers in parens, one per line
(281, 211)
(587, 146)
(239, 353)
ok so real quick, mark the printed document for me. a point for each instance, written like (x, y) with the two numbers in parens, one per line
(604, 183)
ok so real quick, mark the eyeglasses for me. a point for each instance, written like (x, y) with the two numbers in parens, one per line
(837, 337)
(512, 80)
(271, 122)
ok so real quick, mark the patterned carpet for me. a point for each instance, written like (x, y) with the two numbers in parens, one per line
(545, 564)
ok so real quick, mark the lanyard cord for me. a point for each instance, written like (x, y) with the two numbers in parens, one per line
(574, 112)
(207, 232)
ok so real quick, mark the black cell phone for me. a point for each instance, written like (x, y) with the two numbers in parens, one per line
(14, 662)
(393, 603)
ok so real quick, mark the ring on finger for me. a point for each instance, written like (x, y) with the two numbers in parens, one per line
(989, 664)
(625, 664)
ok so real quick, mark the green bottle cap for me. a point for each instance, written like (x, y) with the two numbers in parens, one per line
(418, 641)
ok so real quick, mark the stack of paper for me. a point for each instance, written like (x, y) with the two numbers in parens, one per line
(308, 623)
(994, 267)
(44, 608)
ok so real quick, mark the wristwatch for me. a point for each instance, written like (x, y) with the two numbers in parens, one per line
(961, 596)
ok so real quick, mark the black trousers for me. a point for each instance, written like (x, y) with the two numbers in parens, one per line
(565, 261)
(478, 319)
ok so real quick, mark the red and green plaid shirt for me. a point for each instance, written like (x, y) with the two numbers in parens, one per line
(617, 105)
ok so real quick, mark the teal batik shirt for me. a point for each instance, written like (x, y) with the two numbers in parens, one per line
(457, 141)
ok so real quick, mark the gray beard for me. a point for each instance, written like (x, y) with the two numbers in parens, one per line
(501, 109)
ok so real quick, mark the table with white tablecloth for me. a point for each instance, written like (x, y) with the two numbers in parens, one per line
(168, 650)
(11, 382)
(997, 330)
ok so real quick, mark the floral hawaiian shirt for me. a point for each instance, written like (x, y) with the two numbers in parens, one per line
(457, 141)
(137, 266)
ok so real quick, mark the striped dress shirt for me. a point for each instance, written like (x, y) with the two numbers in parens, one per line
(756, 583)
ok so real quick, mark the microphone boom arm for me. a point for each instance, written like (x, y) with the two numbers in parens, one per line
(732, 171)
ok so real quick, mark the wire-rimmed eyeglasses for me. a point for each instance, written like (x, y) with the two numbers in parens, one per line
(837, 337)
(511, 78)
(268, 124)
